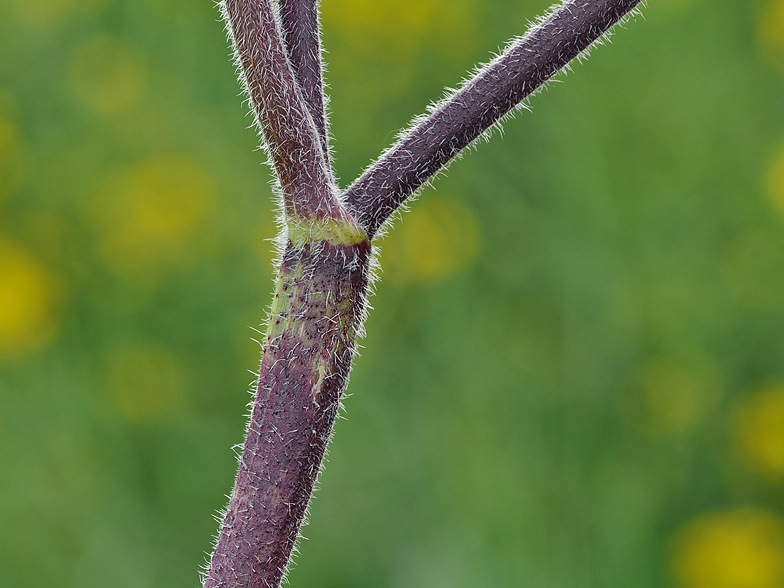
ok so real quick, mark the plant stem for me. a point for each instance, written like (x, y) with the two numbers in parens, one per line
(301, 34)
(318, 308)
(322, 283)
(283, 117)
(478, 105)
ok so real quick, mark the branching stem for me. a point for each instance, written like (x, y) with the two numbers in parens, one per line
(478, 105)
(323, 278)
(284, 118)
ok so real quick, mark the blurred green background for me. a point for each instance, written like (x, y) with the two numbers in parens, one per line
(573, 375)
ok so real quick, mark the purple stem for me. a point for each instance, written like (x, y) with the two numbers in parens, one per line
(323, 280)
(479, 104)
(300, 24)
(286, 124)
(318, 308)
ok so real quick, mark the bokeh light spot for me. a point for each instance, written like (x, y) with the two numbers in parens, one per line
(145, 382)
(398, 28)
(738, 549)
(770, 30)
(153, 215)
(108, 73)
(28, 296)
(760, 431)
(438, 237)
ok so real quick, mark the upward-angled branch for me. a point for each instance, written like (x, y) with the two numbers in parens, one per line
(286, 123)
(301, 34)
(479, 104)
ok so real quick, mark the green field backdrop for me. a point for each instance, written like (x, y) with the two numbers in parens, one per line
(573, 374)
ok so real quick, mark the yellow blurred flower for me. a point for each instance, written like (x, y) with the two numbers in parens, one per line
(437, 238)
(770, 30)
(671, 394)
(397, 28)
(760, 431)
(359, 15)
(677, 396)
(108, 73)
(144, 382)
(152, 217)
(28, 297)
(743, 548)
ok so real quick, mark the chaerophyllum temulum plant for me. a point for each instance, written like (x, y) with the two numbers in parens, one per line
(326, 250)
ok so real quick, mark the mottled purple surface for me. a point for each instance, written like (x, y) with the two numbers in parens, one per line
(307, 356)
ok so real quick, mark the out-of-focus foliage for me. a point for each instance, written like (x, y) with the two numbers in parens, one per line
(574, 371)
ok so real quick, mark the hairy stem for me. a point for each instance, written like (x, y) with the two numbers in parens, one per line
(479, 104)
(323, 279)
(317, 310)
(284, 119)
(301, 34)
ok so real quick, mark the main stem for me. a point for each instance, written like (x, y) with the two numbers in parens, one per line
(317, 310)
(318, 305)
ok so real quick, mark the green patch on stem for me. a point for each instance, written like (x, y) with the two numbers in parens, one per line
(342, 231)
(316, 288)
